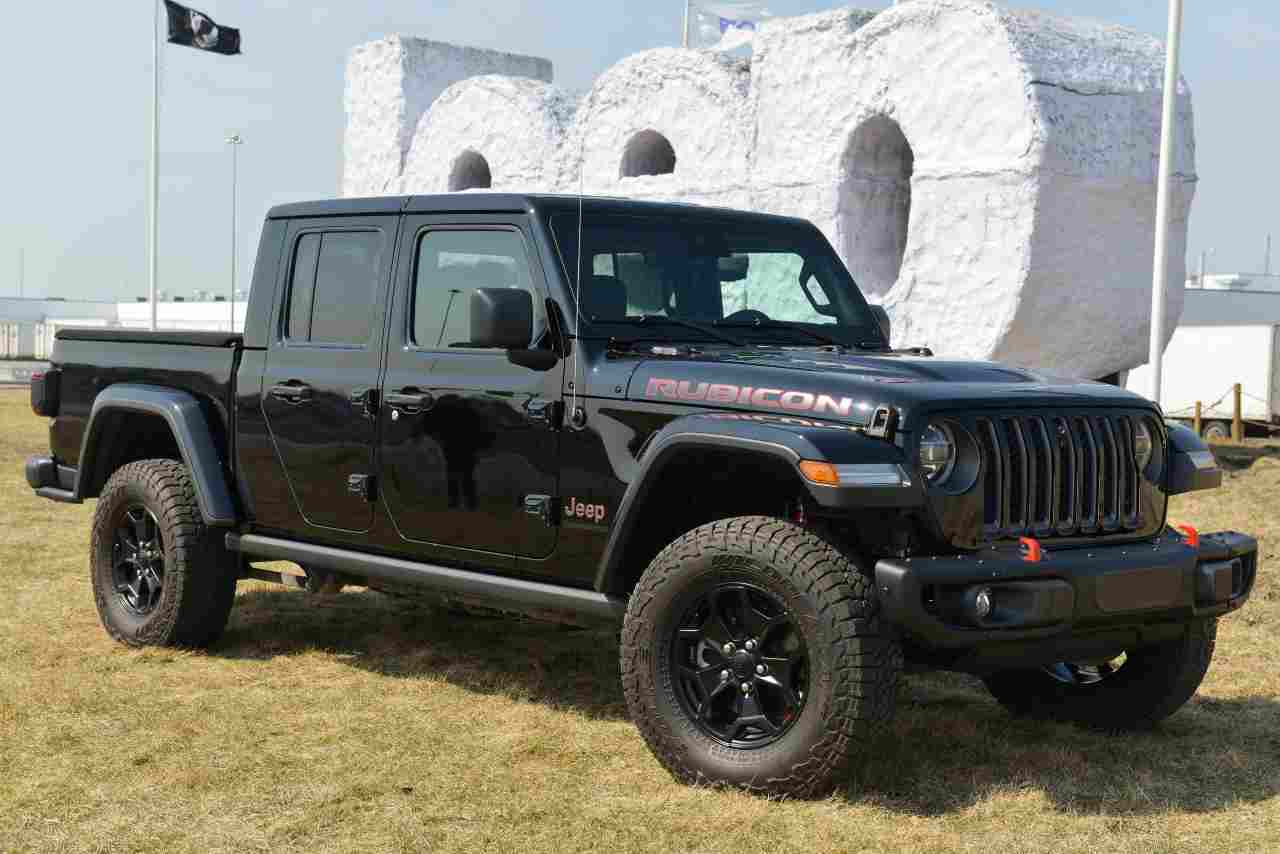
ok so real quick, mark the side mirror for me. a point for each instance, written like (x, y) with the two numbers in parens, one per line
(882, 318)
(501, 318)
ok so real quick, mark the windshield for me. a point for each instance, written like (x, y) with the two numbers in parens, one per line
(744, 280)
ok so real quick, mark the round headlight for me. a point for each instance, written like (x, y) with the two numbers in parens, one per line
(1142, 445)
(937, 452)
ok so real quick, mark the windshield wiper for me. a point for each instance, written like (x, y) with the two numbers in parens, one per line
(779, 324)
(677, 321)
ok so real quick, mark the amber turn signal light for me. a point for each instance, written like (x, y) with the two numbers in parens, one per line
(1190, 534)
(818, 472)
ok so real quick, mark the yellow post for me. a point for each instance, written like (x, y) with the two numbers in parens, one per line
(1237, 422)
(1196, 423)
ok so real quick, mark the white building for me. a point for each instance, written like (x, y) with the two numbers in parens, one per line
(28, 326)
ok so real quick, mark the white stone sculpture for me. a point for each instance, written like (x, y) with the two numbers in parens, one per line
(987, 174)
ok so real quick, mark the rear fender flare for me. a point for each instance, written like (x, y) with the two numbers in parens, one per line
(788, 440)
(182, 412)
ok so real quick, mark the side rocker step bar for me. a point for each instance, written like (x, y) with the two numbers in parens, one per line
(515, 593)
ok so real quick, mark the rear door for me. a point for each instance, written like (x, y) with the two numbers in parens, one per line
(319, 394)
(470, 444)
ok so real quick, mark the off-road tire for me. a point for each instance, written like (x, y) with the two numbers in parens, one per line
(199, 580)
(1153, 683)
(1216, 431)
(854, 658)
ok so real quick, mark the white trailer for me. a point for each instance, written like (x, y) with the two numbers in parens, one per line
(1224, 338)
(9, 340)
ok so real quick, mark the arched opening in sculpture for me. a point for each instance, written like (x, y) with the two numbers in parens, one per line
(875, 203)
(470, 172)
(648, 153)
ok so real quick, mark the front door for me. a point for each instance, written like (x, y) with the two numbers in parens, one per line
(469, 443)
(321, 379)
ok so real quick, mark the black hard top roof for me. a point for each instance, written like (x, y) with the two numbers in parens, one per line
(468, 203)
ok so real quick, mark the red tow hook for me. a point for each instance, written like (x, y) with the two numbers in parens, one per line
(1031, 550)
(1190, 534)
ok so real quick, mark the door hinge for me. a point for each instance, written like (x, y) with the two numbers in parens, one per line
(548, 412)
(364, 485)
(542, 506)
(365, 400)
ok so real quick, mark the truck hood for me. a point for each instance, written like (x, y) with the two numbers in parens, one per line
(820, 383)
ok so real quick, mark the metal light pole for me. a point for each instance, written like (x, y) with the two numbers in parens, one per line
(153, 172)
(1204, 258)
(684, 42)
(235, 142)
(1160, 279)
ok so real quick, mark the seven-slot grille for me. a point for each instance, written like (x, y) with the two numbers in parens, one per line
(1058, 475)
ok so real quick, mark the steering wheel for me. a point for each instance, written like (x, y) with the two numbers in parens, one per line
(748, 315)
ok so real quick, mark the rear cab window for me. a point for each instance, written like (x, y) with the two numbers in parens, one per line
(334, 277)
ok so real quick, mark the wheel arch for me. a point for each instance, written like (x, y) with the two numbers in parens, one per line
(756, 463)
(160, 423)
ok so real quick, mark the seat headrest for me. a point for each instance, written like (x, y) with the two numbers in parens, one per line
(605, 298)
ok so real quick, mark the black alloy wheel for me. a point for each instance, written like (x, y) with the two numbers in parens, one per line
(1080, 674)
(740, 665)
(160, 576)
(138, 560)
(1136, 689)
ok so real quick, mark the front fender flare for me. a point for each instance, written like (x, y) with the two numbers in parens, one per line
(788, 440)
(182, 412)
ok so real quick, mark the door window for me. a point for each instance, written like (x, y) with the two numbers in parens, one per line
(450, 265)
(335, 275)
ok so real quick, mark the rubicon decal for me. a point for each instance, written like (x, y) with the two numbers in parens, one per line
(783, 400)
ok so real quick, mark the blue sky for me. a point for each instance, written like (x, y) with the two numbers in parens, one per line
(78, 87)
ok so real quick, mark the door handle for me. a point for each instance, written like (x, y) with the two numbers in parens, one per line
(410, 401)
(292, 393)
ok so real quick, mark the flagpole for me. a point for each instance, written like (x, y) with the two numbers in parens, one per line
(685, 40)
(235, 142)
(154, 168)
(1161, 274)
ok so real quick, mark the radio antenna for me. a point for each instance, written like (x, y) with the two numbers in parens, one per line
(574, 416)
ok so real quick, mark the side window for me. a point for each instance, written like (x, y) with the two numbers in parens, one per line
(335, 275)
(303, 287)
(453, 263)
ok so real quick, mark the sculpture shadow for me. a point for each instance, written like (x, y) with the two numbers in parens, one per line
(950, 747)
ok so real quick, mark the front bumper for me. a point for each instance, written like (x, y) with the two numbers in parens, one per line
(1072, 591)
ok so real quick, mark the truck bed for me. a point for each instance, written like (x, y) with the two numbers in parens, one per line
(201, 363)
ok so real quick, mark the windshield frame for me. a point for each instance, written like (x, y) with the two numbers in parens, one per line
(563, 228)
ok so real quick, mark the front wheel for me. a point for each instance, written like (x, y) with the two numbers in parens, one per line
(1135, 690)
(160, 577)
(754, 655)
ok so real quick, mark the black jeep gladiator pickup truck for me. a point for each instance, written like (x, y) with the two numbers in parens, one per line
(685, 421)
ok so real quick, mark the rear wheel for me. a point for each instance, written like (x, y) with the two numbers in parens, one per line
(1135, 690)
(160, 577)
(1216, 431)
(754, 655)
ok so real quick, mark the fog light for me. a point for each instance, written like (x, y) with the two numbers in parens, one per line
(982, 603)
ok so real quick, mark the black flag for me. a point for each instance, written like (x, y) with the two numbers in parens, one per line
(196, 29)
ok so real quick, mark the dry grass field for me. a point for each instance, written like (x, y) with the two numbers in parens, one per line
(362, 723)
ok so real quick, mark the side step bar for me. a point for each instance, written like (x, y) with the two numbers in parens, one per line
(515, 593)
